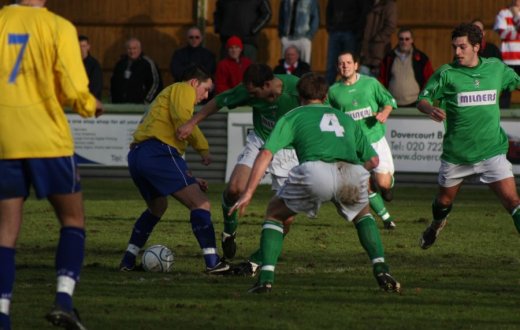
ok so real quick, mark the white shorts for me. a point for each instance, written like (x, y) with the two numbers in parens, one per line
(251, 149)
(283, 161)
(490, 170)
(312, 183)
(386, 161)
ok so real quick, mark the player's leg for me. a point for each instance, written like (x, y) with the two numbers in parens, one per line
(271, 242)
(351, 200)
(255, 259)
(441, 208)
(370, 240)
(149, 166)
(57, 180)
(382, 183)
(506, 191)
(450, 180)
(283, 161)
(200, 217)
(498, 174)
(143, 227)
(309, 185)
(71, 245)
(377, 203)
(10, 223)
(236, 185)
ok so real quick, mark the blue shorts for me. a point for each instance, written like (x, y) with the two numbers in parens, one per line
(48, 176)
(157, 169)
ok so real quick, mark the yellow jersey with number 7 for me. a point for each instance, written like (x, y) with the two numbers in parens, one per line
(41, 71)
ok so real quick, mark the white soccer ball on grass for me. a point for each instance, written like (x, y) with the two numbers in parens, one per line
(158, 259)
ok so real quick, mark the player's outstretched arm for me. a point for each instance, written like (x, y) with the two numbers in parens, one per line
(262, 161)
(185, 129)
(434, 113)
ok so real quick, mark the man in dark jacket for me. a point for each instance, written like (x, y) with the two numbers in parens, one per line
(136, 78)
(194, 54)
(243, 18)
(94, 71)
(291, 63)
(405, 70)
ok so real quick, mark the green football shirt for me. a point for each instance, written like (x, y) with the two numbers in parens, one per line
(265, 114)
(319, 132)
(470, 98)
(362, 101)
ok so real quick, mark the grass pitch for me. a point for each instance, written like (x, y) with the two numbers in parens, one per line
(469, 279)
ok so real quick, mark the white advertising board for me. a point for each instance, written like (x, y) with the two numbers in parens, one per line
(416, 142)
(102, 141)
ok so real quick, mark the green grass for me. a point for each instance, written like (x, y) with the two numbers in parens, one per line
(469, 279)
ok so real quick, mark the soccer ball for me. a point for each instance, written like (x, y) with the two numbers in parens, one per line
(158, 259)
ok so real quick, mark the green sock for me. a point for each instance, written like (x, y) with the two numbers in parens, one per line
(516, 218)
(230, 221)
(271, 246)
(369, 238)
(439, 213)
(378, 206)
(256, 256)
(380, 267)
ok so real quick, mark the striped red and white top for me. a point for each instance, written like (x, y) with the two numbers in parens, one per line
(508, 28)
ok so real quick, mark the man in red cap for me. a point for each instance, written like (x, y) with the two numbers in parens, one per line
(231, 69)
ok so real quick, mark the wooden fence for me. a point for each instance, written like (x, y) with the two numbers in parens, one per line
(161, 26)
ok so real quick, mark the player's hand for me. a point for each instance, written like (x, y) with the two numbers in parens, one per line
(99, 108)
(382, 117)
(184, 130)
(241, 204)
(437, 114)
(206, 159)
(203, 184)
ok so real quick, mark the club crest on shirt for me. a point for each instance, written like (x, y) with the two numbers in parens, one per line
(477, 83)
(355, 103)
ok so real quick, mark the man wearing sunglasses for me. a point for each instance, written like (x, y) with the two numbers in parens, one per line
(194, 54)
(405, 70)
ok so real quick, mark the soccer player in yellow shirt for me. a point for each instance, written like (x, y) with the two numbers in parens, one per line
(41, 73)
(158, 169)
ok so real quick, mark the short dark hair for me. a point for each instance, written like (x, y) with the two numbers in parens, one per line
(468, 30)
(355, 56)
(405, 29)
(258, 74)
(83, 37)
(312, 86)
(195, 72)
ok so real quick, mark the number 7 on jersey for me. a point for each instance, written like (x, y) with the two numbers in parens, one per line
(17, 39)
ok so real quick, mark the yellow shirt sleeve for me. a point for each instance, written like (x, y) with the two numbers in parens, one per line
(171, 108)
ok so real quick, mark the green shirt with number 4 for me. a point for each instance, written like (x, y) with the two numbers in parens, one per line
(319, 132)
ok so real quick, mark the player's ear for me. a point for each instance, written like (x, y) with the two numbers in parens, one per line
(194, 82)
